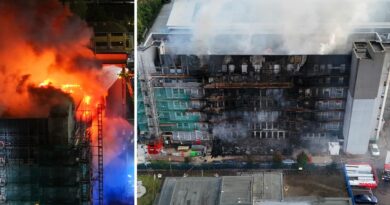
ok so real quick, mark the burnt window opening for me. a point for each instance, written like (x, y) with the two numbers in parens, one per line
(101, 44)
(117, 43)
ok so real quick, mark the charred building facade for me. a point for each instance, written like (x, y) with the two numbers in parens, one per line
(258, 97)
(45, 160)
(248, 97)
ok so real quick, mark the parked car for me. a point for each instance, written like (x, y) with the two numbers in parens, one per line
(365, 199)
(217, 162)
(374, 149)
(289, 162)
(386, 168)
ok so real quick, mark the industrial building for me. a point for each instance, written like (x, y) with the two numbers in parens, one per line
(45, 160)
(264, 93)
(250, 189)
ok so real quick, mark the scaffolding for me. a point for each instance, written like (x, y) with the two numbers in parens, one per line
(82, 143)
(142, 120)
(100, 153)
(39, 164)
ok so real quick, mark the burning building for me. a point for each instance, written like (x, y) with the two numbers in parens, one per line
(45, 160)
(53, 111)
(254, 82)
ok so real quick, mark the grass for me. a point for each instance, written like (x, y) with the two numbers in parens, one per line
(152, 189)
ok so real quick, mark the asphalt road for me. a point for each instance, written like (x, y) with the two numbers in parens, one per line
(382, 192)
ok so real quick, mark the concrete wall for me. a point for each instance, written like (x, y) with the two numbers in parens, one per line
(368, 74)
(145, 61)
(369, 71)
(358, 126)
(347, 118)
(382, 93)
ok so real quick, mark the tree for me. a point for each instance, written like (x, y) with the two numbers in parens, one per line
(277, 159)
(187, 160)
(147, 12)
(302, 159)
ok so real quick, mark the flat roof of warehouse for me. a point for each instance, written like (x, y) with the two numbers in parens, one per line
(224, 190)
(190, 191)
(258, 188)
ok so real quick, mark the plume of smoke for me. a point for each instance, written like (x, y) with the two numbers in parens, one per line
(302, 26)
(231, 131)
(118, 161)
(39, 40)
(234, 126)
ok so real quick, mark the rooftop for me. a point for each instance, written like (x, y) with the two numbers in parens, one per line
(258, 188)
(190, 191)
(236, 190)
(270, 15)
(255, 27)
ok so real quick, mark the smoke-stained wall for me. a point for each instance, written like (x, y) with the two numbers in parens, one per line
(244, 98)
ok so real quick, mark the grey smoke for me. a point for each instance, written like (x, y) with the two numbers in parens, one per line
(234, 126)
(42, 17)
(302, 26)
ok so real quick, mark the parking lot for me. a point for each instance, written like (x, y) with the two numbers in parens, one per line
(383, 192)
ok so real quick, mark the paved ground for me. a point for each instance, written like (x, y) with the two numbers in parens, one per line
(383, 193)
(383, 190)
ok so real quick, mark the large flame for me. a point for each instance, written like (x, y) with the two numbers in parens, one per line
(44, 46)
(86, 102)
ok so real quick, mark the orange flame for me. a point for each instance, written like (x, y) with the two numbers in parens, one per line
(45, 83)
(70, 88)
(84, 112)
(87, 99)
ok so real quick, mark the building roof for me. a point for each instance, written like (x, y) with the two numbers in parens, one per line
(254, 27)
(251, 15)
(253, 44)
(181, 15)
(190, 191)
(236, 190)
(260, 188)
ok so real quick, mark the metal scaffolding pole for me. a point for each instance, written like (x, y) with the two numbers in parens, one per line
(100, 152)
